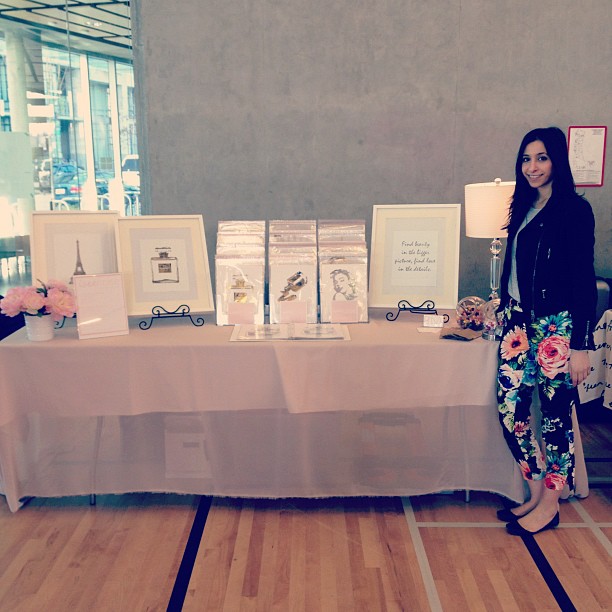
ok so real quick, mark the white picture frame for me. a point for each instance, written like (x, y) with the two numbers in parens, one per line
(415, 254)
(65, 243)
(101, 310)
(164, 261)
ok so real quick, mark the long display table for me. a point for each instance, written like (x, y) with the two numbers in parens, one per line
(177, 408)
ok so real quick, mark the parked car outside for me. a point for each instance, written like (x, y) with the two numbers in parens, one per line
(69, 186)
(102, 178)
(130, 173)
(59, 168)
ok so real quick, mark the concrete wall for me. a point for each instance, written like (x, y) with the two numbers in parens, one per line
(317, 109)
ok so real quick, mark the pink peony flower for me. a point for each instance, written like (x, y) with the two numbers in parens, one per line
(60, 303)
(11, 304)
(56, 284)
(514, 343)
(552, 357)
(53, 299)
(32, 301)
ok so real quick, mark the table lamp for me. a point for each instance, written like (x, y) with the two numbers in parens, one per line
(486, 211)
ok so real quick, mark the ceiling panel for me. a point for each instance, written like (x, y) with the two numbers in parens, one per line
(95, 26)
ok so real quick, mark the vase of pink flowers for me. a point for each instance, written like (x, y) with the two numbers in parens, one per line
(42, 307)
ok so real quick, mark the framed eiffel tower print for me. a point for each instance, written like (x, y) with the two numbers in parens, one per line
(65, 244)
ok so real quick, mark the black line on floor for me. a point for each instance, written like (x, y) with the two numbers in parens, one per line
(553, 583)
(183, 576)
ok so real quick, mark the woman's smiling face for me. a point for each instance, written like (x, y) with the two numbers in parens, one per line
(537, 166)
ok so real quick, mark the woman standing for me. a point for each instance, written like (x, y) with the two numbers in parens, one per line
(548, 301)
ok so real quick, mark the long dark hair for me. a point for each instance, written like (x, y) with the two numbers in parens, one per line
(562, 179)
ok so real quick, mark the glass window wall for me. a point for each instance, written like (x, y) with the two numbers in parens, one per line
(67, 132)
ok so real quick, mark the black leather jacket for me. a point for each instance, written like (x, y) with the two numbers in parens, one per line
(554, 265)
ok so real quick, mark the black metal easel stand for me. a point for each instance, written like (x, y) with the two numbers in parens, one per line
(427, 307)
(159, 312)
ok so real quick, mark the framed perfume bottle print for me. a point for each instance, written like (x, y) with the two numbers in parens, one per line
(165, 263)
(69, 243)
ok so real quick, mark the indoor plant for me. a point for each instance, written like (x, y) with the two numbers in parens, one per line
(41, 305)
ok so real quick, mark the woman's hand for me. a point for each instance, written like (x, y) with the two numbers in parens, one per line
(579, 366)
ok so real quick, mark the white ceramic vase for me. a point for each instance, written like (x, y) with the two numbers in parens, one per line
(39, 329)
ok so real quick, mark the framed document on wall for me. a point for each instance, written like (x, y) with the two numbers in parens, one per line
(165, 263)
(415, 254)
(587, 154)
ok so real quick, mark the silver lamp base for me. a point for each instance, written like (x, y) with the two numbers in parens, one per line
(492, 330)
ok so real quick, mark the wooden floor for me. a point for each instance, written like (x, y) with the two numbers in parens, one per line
(435, 552)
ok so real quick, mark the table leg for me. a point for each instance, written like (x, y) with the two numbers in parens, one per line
(96, 453)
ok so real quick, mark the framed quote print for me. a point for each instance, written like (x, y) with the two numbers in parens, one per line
(415, 254)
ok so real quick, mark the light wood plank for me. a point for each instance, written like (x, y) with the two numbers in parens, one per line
(282, 555)
(448, 551)
(67, 555)
(582, 565)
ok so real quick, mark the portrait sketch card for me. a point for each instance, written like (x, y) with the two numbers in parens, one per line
(344, 291)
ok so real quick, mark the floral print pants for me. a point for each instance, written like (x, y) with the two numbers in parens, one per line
(537, 354)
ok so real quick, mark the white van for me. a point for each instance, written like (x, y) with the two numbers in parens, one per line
(130, 173)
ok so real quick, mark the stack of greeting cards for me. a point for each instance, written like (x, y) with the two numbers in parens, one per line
(240, 272)
(315, 271)
(292, 271)
(343, 271)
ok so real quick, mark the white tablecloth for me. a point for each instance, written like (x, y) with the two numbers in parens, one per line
(178, 408)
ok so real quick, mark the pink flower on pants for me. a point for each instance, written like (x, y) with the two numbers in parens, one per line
(553, 353)
(556, 482)
(520, 428)
(525, 470)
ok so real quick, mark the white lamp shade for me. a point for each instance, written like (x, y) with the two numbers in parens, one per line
(486, 208)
